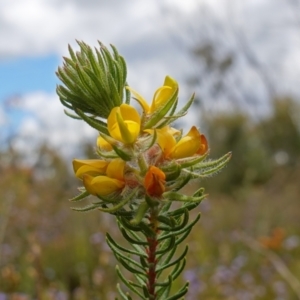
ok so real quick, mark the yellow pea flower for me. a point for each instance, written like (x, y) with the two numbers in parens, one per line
(91, 167)
(161, 96)
(101, 185)
(154, 182)
(192, 143)
(124, 123)
(103, 144)
(105, 185)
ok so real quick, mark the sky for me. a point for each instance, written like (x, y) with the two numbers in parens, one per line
(156, 38)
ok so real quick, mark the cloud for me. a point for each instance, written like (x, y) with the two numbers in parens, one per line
(46, 123)
(156, 38)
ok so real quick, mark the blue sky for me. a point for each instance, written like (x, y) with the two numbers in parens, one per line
(22, 75)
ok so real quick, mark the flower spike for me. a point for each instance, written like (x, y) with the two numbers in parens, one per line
(143, 163)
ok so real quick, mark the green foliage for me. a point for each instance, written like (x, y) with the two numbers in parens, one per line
(48, 250)
(280, 133)
(154, 241)
(94, 83)
(258, 147)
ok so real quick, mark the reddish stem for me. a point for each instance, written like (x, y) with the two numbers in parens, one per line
(151, 251)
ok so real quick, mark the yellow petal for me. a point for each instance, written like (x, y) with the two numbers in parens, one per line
(161, 97)
(165, 138)
(88, 170)
(87, 180)
(124, 123)
(128, 130)
(164, 93)
(169, 81)
(115, 169)
(139, 99)
(103, 185)
(112, 119)
(103, 144)
(188, 145)
(175, 132)
(91, 165)
(129, 113)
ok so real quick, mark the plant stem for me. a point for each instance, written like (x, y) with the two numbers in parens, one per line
(152, 241)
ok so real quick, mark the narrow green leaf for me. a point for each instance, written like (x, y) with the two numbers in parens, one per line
(180, 293)
(164, 291)
(167, 248)
(128, 267)
(173, 196)
(166, 266)
(187, 106)
(214, 163)
(121, 153)
(71, 115)
(116, 247)
(159, 114)
(125, 281)
(130, 239)
(80, 196)
(183, 237)
(186, 228)
(140, 213)
(188, 162)
(124, 297)
(71, 52)
(178, 269)
(120, 204)
(181, 225)
(85, 208)
(92, 122)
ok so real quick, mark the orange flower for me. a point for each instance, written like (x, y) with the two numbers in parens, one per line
(275, 240)
(155, 182)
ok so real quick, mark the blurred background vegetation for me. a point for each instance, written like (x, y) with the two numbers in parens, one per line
(252, 212)
(246, 245)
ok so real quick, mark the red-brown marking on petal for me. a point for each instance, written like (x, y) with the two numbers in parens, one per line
(155, 182)
(204, 145)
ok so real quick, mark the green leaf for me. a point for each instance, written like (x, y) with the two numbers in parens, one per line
(173, 196)
(140, 213)
(160, 113)
(71, 115)
(120, 204)
(130, 239)
(85, 208)
(93, 122)
(123, 260)
(180, 293)
(165, 266)
(178, 269)
(188, 162)
(125, 281)
(186, 228)
(93, 81)
(80, 197)
(115, 247)
(218, 163)
(166, 249)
